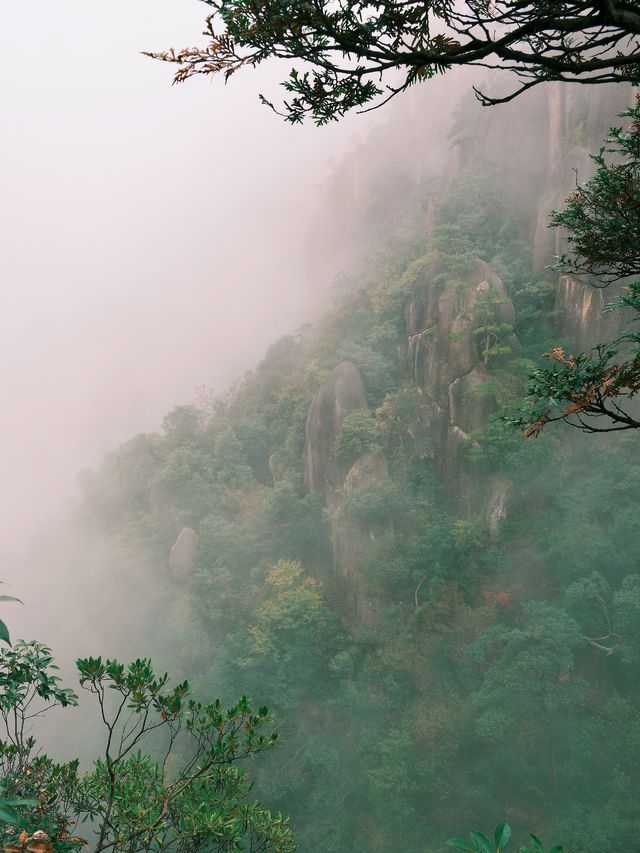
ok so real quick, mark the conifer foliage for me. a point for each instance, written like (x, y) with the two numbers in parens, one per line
(358, 54)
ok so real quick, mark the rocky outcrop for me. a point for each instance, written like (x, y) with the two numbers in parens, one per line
(469, 404)
(336, 479)
(183, 553)
(581, 314)
(442, 320)
(448, 352)
(497, 504)
(450, 320)
(351, 541)
(342, 393)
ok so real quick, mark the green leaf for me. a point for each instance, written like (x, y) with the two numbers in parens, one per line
(459, 844)
(502, 835)
(8, 814)
(481, 843)
(4, 633)
(10, 598)
(556, 849)
(538, 846)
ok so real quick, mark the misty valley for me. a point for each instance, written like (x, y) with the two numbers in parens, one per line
(396, 594)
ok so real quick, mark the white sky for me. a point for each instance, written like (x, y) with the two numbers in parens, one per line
(149, 236)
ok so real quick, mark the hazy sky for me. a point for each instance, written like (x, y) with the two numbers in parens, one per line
(150, 235)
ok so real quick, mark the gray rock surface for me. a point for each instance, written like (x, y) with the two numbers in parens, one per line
(342, 393)
(183, 552)
(447, 361)
(440, 320)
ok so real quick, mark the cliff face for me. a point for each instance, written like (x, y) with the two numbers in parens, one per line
(580, 308)
(452, 315)
(450, 323)
(343, 392)
(540, 144)
(576, 125)
(444, 345)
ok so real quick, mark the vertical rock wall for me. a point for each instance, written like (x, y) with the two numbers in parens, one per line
(343, 392)
(447, 356)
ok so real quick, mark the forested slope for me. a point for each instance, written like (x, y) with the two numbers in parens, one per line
(442, 616)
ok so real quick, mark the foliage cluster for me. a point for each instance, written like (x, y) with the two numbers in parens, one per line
(596, 391)
(479, 843)
(184, 793)
(348, 49)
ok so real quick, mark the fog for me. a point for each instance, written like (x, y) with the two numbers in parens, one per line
(144, 230)
(355, 538)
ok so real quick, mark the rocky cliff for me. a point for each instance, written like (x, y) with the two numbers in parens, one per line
(453, 316)
(558, 128)
(450, 319)
(342, 393)
(446, 350)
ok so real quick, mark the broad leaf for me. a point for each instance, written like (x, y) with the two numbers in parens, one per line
(538, 846)
(4, 633)
(8, 814)
(481, 843)
(502, 835)
(460, 845)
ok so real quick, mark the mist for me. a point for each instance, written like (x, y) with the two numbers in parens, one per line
(255, 379)
(143, 231)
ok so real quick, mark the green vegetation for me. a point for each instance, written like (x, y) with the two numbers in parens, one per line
(350, 51)
(4, 631)
(186, 794)
(446, 626)
(430, 668)
(479, 843)
(594, 391)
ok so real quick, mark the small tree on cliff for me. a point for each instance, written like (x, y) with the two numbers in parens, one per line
(593, 391)
(356, 53)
